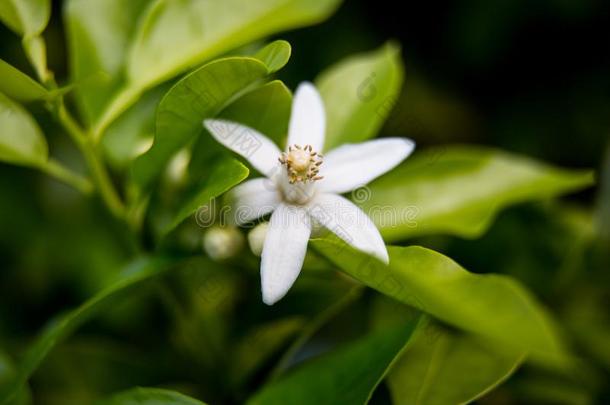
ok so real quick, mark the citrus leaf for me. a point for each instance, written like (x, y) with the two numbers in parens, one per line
(359, 93)
(348, 375)
(458, 190)
(491, 305)
(21, 141)
(19, 86)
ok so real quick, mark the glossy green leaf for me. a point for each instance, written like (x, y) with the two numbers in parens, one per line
(348, 375)
(149, 396)
(199, 95)
(19, 86)
(448, 367)
(21, 141)
(99, 33)
(458, 190)
(137, 272)
(224, 176)
(491, 305)
(359, 93)
(266, 109)
(204, 29)
(25, 17)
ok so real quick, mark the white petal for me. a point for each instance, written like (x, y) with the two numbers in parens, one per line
(259, 150)
(350, 223)
(253, 199)
(284, 251)
(354, 165)
(307, 120)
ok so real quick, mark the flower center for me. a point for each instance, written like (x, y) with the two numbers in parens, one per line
(302, 164)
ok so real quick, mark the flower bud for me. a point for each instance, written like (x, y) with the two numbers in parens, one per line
(256, 238)
(222, 243)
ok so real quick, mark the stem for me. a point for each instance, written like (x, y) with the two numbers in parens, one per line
(98, 170)
(62, 173)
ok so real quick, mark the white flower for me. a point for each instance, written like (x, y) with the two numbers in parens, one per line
(302, 187)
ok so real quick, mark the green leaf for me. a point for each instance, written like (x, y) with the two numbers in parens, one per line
(27, 18)
(348, 375)
(149, 396)
(199, 95)
(205, 29)
(266, 109)
(202, 30)
(224, 176)
(99, 33)
(132, 133)
(448, 367)
(19, 86)
(21, 141)
(491, 305)
(458, 190)
(275, 55)
(7, 374)
(359, 93)
(268, 338)
(134, 274)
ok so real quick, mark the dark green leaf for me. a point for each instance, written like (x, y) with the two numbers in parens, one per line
(491, 305)
(59, 329)
(348, 375)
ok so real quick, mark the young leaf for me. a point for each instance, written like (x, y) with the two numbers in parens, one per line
(491, 305)
(348, 375)
(206, 29)
(199, 95)
(136, 273)
(149, 396)
(359, 93)
(459, 190)
(27, 18)
(99, 33)
(19, 86)
(225, 175)
(448, 367)
(21, 141)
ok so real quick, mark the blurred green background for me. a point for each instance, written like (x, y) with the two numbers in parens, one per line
(532, 77)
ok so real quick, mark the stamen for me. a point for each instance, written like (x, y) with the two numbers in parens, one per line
(302, 163)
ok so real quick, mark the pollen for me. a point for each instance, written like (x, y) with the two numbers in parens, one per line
(302, 164)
